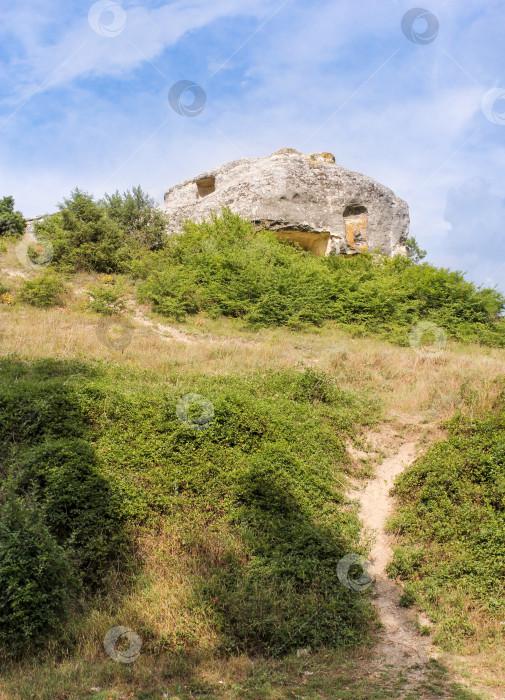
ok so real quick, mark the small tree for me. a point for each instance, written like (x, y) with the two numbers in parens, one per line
(414, 252)
(135, 212)
(83, 236)
(12, 222)
(103, 235)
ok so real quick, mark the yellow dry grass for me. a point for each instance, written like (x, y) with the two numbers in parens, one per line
(431, 388)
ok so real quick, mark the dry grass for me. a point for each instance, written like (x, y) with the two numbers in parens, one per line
(430, 389)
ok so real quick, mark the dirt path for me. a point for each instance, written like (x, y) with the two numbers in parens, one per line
(164, 331)
(400, 643)
(168, 333)
(401, 647)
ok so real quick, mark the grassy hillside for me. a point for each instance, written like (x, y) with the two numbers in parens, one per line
(102, 456)
(451, 525)
(189, 481)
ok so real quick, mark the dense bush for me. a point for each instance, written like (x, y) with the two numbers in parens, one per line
(44, 291)
(224, 267)
(451, 523)
(55, 506)
(12, 222)
(36, 578)
(264, 467)
(102, 235)
(99, 453)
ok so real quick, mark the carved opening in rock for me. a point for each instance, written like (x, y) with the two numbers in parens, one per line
(354, 210)
(207, 185)
(355, 218)
(316, 243)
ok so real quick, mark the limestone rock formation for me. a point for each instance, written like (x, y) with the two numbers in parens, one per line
(305, 198)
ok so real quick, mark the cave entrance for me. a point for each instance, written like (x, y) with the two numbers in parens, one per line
(316, 243)
(355, 219)
(207, 185)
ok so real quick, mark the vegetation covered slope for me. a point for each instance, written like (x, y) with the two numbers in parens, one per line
(225, 267)
(451, 525)
(95, 456)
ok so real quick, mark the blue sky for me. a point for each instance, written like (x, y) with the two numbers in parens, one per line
(84, 102)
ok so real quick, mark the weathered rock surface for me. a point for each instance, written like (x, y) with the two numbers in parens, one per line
(305, 198)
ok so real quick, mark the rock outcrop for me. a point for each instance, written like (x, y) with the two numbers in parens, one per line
(309, 199)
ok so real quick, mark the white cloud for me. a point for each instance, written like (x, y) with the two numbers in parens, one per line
(81, 51)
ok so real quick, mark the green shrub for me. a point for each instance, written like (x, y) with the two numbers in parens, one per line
(83, 236)
(224, 267)
(36, 577)
(107, 298)
(61, 474)
(103, 236)
(12, 222)
(53, 463)
(44, 291)
(61, 528)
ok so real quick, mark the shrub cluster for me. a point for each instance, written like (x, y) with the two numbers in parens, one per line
(108, 297)
(224, 267)
(12, 222)
(59, 521)
(103, 236)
